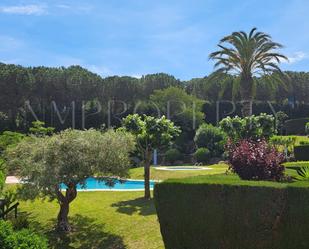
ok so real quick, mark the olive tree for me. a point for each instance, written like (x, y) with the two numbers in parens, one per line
(151, 133)
(69, 158)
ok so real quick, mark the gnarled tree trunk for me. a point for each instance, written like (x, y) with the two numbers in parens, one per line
(64, 201)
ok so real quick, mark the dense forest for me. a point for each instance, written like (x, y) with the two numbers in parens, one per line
(75, 97)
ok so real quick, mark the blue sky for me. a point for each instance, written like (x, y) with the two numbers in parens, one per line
(140, 37)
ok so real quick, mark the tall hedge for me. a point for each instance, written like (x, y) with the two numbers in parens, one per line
(296, 126)
(222, 212)
(301, 152)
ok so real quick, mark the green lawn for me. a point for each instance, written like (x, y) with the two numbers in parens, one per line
(107, 220)
(155, 174)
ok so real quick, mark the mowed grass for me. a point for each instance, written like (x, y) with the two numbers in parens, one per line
(107, 220)
(156, 174)
(101, 220)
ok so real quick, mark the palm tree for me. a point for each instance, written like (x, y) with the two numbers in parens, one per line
(247, 56)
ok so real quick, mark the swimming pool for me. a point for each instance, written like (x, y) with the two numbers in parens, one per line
(93, 184)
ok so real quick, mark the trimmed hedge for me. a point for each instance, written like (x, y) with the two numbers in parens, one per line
(296, 126)
(223, 212)
(301, 152)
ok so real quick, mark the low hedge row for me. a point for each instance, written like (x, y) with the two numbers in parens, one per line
(223, 212)
(301, 152)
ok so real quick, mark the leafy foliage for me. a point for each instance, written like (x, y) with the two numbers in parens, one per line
(281, 117)
(23, 239)
(303, 173)
(173, 155)
(9, 138)
(151, 133)
(183, 109)
(202, 155)
(2, 181)
(253, 127)
(69, 157)
(38, 129)
(212, 138)
(255, 160)
(247, 55)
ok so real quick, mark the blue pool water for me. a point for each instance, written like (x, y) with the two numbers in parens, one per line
(93, 184)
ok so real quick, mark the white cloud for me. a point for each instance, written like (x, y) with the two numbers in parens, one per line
(138, 76)
(63, 6)
(101, 70)
(296, 57)
(24, 9)
(9, 43)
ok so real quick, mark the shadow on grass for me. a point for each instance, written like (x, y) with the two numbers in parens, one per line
(86, 234)
(140, 206)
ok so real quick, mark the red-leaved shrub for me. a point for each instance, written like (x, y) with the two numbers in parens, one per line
(255, 160)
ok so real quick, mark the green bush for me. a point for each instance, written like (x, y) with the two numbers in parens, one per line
(224, 212)
(23, 239)
(173, 155)
(5, 231)
(253, 127)
(296, 126)
(301, 152)
(212, 138)
(2, 181)
(20, 222)
(202, 155)
(10, 138)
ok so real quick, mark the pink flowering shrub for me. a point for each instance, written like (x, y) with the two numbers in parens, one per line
(255, 160)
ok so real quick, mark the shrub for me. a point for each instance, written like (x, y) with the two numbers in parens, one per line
(224, 212)
(5, 231)
(172, 155)
(212, 138)
(20, 222)
(2, 181)
(281, 117)
(253, 127)
(9, 138)
(301, 152)
(255, 160)
(23, 239)
(202, 155)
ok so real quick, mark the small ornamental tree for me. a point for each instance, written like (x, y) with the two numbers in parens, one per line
(38, 129)
(255, 160)
(151, 133)
(251, 127)
(70, 157)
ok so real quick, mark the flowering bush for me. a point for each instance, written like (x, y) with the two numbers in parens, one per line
(255, 160)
